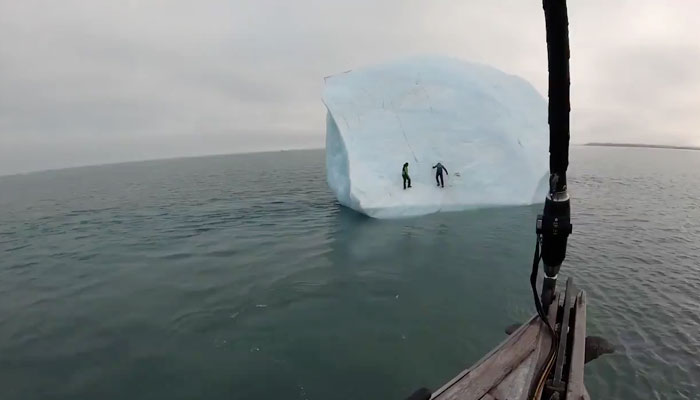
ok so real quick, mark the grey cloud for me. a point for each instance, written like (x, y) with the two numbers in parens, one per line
(644, 93)
(104, 81)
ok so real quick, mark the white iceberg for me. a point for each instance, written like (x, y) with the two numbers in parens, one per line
(488, 128)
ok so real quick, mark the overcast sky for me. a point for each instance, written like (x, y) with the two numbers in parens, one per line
(99, 81)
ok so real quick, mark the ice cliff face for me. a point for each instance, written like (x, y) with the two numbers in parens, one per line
(488, 128)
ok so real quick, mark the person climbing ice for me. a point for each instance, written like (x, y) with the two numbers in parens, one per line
(438, 174)
(406, 178)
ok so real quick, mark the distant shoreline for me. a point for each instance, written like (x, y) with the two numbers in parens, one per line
(641, 145)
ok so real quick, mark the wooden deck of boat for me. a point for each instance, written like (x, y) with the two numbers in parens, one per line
(508, 372)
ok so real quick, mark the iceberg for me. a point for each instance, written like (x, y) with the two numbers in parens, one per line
(488, 128)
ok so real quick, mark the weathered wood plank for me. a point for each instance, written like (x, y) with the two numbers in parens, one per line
(484, 358)
(517, 382)
(576, 389)
(491, 370)
(508, 371)
(543, 345)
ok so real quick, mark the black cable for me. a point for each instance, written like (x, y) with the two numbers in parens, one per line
(533, 282)
(540, 311)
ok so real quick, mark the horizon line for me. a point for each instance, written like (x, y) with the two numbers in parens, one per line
(37, 171)
(643, 145)
(592, 144)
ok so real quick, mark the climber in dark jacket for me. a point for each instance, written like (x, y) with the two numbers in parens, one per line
(438, 174)
(406, 178)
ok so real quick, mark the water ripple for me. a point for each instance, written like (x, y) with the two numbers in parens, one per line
(121, 280)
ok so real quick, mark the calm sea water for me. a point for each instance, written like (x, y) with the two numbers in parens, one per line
(240, 277)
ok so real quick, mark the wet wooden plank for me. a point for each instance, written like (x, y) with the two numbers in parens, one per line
(474, 383)
(576, 389)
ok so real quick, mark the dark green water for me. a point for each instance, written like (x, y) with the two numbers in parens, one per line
(239, 277)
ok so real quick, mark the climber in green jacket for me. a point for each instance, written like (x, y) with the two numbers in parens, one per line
(406, 178)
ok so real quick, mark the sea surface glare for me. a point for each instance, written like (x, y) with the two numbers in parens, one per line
(240, 277)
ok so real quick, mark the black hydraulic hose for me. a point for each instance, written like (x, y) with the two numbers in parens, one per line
(557, 24)
(554, 224)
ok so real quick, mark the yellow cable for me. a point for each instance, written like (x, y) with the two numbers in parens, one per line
(543, 378)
